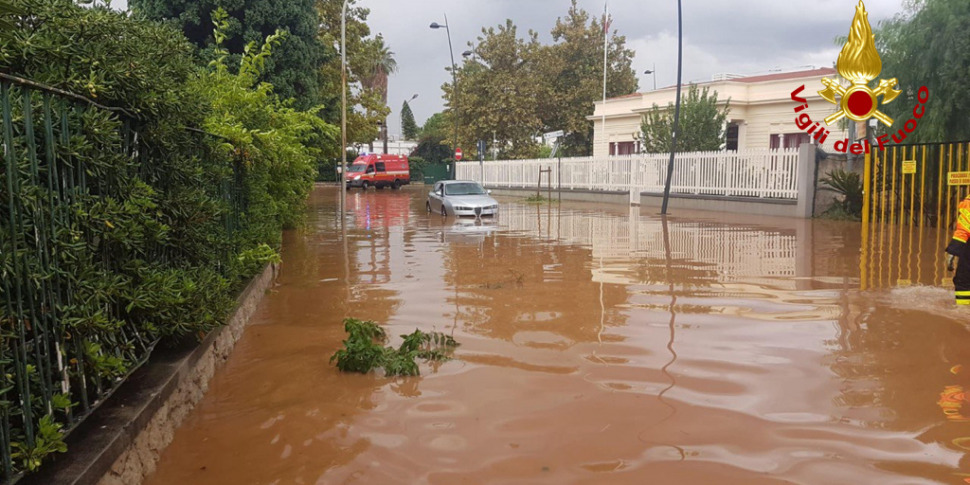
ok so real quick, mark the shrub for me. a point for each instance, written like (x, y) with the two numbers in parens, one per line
(156, 238)
(849, 187)
(364, 351)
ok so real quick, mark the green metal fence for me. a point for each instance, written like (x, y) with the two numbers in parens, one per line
(51, 372)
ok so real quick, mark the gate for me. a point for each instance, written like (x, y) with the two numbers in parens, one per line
(433, 172)
(910, 193)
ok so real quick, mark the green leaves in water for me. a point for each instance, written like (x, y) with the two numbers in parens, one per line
(364, 350)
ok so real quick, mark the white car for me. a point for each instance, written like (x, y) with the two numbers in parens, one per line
(461, 198)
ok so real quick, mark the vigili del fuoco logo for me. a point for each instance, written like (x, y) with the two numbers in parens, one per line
(858, 63)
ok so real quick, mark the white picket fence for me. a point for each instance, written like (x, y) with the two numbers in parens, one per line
(763, 173)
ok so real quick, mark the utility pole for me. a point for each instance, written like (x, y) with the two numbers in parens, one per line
(343, 112)
(454, 88)
(673, 141)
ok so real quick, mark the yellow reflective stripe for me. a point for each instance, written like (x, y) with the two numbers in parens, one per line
(963, 293)
(964, 218)
(957, 238)
(963, 302)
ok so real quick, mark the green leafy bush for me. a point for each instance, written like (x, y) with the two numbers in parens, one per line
(49, 440)
(849, 187)
(175, 196)
(364, 350)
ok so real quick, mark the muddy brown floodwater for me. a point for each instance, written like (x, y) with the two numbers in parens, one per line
(599, 345)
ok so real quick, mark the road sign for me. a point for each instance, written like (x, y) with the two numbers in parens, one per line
(458, 154)
(958, 178)
(909, 166)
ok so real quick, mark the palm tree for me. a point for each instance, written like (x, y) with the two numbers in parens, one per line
(379, 64)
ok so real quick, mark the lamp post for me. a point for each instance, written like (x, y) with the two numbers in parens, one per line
(454, 86)
(343, 111)
(673, 141)
(654, 72)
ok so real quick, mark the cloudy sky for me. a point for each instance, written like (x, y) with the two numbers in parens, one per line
(720, 36)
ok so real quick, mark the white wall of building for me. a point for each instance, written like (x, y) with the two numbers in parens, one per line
(396, 145)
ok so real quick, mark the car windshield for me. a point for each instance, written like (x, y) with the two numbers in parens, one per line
(464, 188)
(356, 168)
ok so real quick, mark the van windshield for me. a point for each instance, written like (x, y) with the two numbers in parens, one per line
(464, 188)
(355, 168)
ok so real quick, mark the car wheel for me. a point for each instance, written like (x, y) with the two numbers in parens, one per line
(397, 185)
(444, 213)
(427, 205)
(363, 186)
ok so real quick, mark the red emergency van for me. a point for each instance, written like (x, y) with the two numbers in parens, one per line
(379, 171)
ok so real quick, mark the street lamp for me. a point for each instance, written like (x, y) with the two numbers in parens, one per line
(343, 111)
(676, 129)
(654, 72)
(454, 85)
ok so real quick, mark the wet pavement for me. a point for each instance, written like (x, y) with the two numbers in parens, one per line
(599, 345)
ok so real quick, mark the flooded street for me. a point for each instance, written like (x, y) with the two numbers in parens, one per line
(598, 345)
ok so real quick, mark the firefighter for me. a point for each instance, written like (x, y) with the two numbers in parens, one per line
(960, 250)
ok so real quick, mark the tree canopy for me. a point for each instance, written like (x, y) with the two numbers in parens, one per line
(929, 46)
(701, 126)
(306, 65)
(501, 92)
(514, 88)
(432, 145)
(292, 70)
(577, 71)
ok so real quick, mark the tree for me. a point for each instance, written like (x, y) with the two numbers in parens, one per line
(292, 70)
(575, 68)
(409, 127)
(377, 63)
(515, 89)
(929, 46)
(437, 126)
(365, 106)
(701, 125)
(432, 146)
(500, 92)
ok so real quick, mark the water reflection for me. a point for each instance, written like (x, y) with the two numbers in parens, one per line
(599, 344)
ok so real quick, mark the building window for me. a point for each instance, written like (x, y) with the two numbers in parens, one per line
(623, 148)
(789, 140)
(731, 137)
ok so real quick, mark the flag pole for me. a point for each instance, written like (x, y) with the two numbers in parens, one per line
(606, 48)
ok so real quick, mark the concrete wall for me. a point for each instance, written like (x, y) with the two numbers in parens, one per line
(825, 198)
